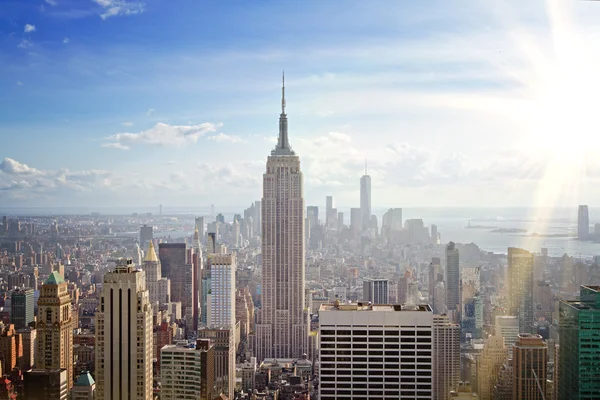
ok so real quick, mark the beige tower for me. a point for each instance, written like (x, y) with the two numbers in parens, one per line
(55, 327)
(520, 286)
(488, 365)
(446, 356)
(124, 336)
(282, 328)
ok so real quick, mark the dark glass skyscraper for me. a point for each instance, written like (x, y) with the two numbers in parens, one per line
(22, 308)
(579, 359)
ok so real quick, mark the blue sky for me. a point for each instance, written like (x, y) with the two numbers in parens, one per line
(115, 102)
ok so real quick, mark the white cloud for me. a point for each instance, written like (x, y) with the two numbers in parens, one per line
(66, 40)
(52, 2)
(150, 111)
(115, 146)
(19, 83)
(113, 8)
(29, 28)
(127, 123)
(24, 44)
(221, 137)
(162, 135)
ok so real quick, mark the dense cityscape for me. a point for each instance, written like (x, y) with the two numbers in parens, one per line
(284, 300)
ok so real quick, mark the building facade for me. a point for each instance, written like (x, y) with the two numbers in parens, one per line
(365, 199)
(446, 357)
(452, 286)
(530, 356)
(375, 351)
(520, 288)
(376, 290)
(55, 326)
(22, 308)
(124, 336)
(583, 222)
(282, 328)
(578, 363)
(488, 365)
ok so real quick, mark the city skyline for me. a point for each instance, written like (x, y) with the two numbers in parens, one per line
(150, 118)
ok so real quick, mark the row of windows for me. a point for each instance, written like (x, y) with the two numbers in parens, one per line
(375, 393)
(375, 386)
(339, 332)
(405, 371)
(394, 378)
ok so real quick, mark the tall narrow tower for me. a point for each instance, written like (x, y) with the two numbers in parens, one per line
(124, 336)
(520, 286)
(453, 295)
(55, 327)
(365, 199)
(282, 328)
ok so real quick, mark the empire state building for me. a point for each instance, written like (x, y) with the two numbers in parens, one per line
(282, 323)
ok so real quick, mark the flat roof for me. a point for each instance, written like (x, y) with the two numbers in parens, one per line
(375, 307)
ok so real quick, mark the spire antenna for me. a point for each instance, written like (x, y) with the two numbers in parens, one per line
(365, 166)
(283, 92)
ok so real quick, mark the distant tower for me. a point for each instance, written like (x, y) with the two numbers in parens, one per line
(55, 327)
(520, 286)
(283, 326)
(375, 290)
(453, 295)
(583, 223)
(328, 211)
(146, 235)
(124, 336)
(446, 356)
(159, 287)
(160, 210)
(365, 198)
(22, 308)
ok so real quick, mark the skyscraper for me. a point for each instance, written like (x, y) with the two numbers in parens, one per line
(360, 335)
(184, 371)
(198, 265)
(520, 288)
(507, 326)
(365, 199)
(453, 295)
(174, 263)
(282, 328)
(328, 210)
(530, 354)
(446, 356)
(159, 288)
(200, 223)
(22, 308)
(221, 303)
(488, 365)
(583, 222)
(375, 290)
(579, 352)
(124, 336)
(146, 235)
(55, 327)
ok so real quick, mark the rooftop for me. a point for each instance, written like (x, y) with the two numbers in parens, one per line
(374, 307)
(85, 379)
(55, 278)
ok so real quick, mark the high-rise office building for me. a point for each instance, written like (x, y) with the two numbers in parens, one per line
(520, 288)
(186, 371)
(198, 265)
(312, 213)
(22, 308)
(488, 365)
(200, 224)
(530, 356)
(376, 290)
(46, 384)
(282, 328)
(434, 273)
(221, 303)
(11, 348)
(55, 326)
(383, 352)
(583, 222)
(446, 356)
(159, 288)
(579, 353)
(328, 210)
(124, 336)
(146, 235)
(453, 294)
(365, 198)
(173, 260)
(507, 326)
